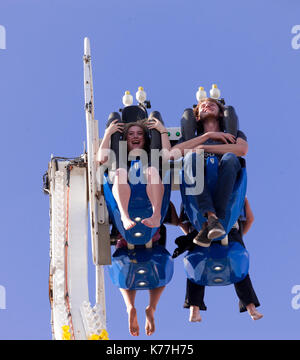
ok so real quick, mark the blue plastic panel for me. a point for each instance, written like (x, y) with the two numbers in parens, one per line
(217, 265)
(139, 207)
(141, 269)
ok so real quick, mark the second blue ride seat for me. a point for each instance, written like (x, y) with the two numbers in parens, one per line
(236, 203)
(218, 264)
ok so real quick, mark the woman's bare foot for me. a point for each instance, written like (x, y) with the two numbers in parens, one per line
(133, 323)
(195, 314)
(127, 222)
(152, 222)
(255, 315)
(149, 325)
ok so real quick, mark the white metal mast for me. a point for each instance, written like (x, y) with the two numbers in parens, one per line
(71, 184)
(98, 212)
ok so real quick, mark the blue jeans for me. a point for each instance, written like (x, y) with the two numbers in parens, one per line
(228, 169)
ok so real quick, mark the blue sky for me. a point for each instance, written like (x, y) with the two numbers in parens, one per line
(170, 48)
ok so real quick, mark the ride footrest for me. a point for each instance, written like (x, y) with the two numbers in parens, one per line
(141, 268)
(217, 264)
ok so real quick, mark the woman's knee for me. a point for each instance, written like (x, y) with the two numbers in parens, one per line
(152, 171)
(121, 172)
(153, 176)
(121, 176)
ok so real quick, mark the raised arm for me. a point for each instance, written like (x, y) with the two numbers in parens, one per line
(114, 126)
(154, 123)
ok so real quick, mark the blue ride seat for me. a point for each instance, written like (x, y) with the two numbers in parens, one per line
(218, 264)
(139, 207)
(141, 268)
(229, 123)
(139, 204)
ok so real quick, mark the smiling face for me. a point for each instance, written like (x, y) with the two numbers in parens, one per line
(208, 114)
(208, 109)
(135, 138)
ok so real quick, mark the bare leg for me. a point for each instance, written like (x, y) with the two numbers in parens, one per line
(155, 191)
(121, 192)
(255, 315)
(129, 298)
(150, 309)
(195, 314)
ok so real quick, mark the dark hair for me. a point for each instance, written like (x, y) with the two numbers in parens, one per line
(142, 125)
(197, 115)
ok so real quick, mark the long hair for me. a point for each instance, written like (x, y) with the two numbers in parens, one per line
(196, 109)
(142, 125)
